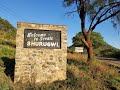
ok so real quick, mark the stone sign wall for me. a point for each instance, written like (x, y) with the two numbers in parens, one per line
(41, 52)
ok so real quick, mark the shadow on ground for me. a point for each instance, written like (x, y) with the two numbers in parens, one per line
(9, 65)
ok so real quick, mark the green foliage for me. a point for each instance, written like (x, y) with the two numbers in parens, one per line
(70, 49)
(77, 40)
(7, 39)
(96, 39)
(7, 33)
(4, 86)
(7, 51)
(107, 51)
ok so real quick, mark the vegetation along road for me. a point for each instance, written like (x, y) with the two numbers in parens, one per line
(112, 61)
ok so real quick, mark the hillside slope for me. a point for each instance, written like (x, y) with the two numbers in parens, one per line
(7, 54)
(100, 47)
(6, 26)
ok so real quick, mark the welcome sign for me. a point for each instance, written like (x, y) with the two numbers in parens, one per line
(34, 38)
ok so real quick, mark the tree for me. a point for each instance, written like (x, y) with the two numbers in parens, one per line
(96, 39)
(98, 11)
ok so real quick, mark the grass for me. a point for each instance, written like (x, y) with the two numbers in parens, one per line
(97, 77)
(7, 51)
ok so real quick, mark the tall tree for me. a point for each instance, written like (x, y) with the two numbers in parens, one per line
(98, 11)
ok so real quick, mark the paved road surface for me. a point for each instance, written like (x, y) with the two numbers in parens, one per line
(112, 61)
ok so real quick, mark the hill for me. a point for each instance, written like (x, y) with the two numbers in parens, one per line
(7, 39)
(7, 53)
(6, 26)
(100, 47)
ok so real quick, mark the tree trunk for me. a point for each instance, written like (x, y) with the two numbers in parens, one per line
(90, 54)
(88, 44)
(89, 49)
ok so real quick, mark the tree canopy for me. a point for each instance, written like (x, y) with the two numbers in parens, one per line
(96, 39)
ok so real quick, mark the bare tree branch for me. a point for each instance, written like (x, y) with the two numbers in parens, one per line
(98, 22)
(115, 4)
(110, 16)
(95, 17)
(106, 11)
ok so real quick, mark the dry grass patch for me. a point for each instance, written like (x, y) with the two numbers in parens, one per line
(77, 56)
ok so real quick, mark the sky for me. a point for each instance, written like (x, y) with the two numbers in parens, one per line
(53, 12)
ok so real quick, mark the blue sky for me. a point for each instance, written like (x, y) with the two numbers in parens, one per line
(52, 12)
